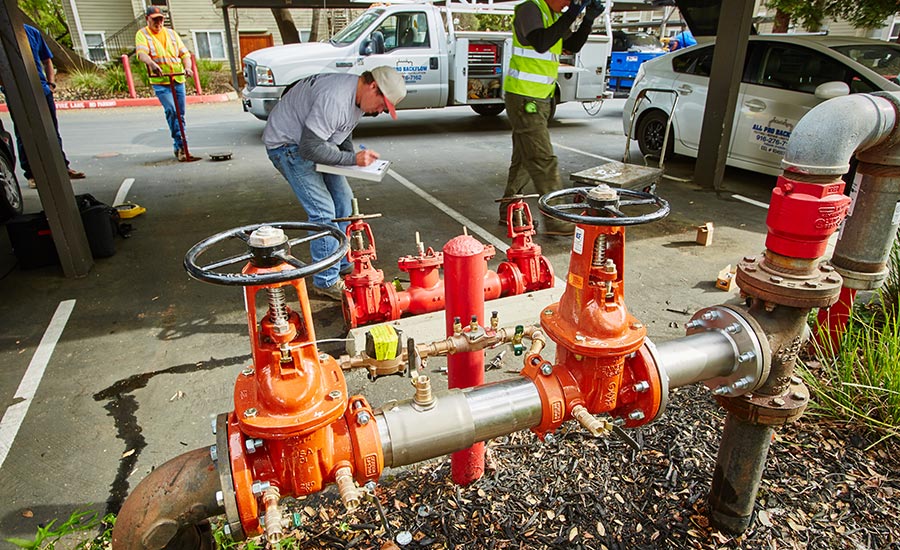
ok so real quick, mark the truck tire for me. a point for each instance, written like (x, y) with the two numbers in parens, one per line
(650, 133)
(490, 109)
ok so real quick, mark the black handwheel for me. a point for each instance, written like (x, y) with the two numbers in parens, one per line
(601, 205)
(268, 247)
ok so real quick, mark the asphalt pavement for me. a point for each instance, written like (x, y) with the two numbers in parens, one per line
(105, 377)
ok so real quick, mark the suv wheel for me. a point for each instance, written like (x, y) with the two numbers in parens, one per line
(651, 131)
(10, 195)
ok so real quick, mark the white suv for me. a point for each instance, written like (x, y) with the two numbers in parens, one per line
(784, 77)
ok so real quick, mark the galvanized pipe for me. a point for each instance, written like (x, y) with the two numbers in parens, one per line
(458, 419)
(739, 468)
(862, 251)
(824, 140)
(696, 358)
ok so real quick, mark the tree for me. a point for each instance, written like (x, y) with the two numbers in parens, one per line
(286, 26)
(860, 13)
(49, 17)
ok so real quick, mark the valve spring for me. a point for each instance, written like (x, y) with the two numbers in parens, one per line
(277, 307)
(600, 251)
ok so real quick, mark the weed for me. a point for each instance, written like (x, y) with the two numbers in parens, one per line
(209, 66)
(860, 380)
(48, 535)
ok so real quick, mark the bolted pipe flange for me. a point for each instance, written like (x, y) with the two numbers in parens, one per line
(768, 410)
(758, 278)
(223, 467)
(752, 357)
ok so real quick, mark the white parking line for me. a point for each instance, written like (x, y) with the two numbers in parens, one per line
(750, 201)
(15, 414)
(574, 150)
(123, 191)
(499, 245)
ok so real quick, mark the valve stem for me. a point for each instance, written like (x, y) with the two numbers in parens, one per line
(350, 493)
(420, 246)
(273, 516)
(424, 398)
(599, 251)
(591, 423)
(278, 309)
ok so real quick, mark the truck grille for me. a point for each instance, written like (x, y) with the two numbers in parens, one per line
(250, 74)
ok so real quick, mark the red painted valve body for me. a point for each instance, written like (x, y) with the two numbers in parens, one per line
(295, 401)
(802, 216)
(369, 299)
(464, 269)
(594, 335)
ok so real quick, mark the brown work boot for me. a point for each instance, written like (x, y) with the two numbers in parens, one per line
(556, 228)
(75, 175)
(333, 292)
(179, 154)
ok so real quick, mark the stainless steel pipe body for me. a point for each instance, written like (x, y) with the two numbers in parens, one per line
(696, 358)
(458, 418)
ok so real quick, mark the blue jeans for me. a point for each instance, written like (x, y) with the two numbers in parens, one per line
(324, 197)
(164, 94)
(23, 160)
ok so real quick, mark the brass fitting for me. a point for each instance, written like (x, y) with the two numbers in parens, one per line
(591, 423)
(350, 493)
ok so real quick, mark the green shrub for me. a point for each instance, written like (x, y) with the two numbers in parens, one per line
(209, 66)
(114, 79)
(85, 81)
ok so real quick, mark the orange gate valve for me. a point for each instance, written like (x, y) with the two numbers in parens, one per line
(426, 289)
(368, 298)
(293, 427)
(526, 269)
(591, 326)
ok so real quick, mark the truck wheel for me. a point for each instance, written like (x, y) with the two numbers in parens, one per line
(651, 131)
(491, 109)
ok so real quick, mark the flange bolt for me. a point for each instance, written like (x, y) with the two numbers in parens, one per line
(213, 453)
(746, 356)
(546, 369)
(220, 498)
(642, 386)
(250, 413)
(253, 444)
(710, 316)
(363, 418)
(636, 415)
(259, 487)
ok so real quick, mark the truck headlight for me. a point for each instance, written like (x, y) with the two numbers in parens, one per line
(264, 76)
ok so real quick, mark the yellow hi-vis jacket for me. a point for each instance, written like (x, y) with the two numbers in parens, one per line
(531, 73)
(165, 49)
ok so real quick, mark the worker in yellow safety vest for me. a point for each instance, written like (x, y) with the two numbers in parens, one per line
(163, 52)
(542, 30)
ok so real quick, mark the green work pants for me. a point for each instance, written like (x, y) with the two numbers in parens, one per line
(533, 159)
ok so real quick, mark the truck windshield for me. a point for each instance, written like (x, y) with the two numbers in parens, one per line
(359, 25)
(883, 59)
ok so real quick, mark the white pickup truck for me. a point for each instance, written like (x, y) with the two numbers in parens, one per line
(442, 66)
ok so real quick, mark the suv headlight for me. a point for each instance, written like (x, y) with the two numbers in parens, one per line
(264, 76)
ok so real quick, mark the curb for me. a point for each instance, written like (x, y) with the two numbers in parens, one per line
(136, 102)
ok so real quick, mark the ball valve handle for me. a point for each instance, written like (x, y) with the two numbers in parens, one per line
(268, 247)
(602, 205)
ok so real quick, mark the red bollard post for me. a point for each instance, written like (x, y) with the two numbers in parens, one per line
(197, 87)
(129, 78)
(834, 319)
(464, 269)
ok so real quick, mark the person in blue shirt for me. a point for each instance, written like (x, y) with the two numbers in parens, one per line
(682, 40)
(42, 59)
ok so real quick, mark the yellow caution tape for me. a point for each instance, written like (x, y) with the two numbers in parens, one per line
(385, 339)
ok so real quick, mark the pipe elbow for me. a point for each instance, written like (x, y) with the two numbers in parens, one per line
(167, 505)
(825, 139)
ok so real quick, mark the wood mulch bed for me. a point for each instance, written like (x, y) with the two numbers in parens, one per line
(821, 489)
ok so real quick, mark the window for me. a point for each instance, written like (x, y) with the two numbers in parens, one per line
(801, 69)
(696, 62)
(210, 44)
(405, 30)
(96, 47)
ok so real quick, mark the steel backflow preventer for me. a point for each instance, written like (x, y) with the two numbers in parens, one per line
(295, 429)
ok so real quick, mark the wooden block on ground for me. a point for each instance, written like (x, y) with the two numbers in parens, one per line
(725, 280)
(705, 234)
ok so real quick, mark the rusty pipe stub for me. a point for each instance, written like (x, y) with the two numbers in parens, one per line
(768, 410)
(762, 279)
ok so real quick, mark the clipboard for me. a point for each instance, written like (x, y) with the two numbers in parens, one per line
(373, 172)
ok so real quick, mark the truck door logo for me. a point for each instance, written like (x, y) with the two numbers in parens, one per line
(411, 72)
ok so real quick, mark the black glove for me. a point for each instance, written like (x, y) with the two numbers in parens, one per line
(595, 9)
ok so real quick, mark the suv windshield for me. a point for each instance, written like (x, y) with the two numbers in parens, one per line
(352, 31)
(883, 59)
